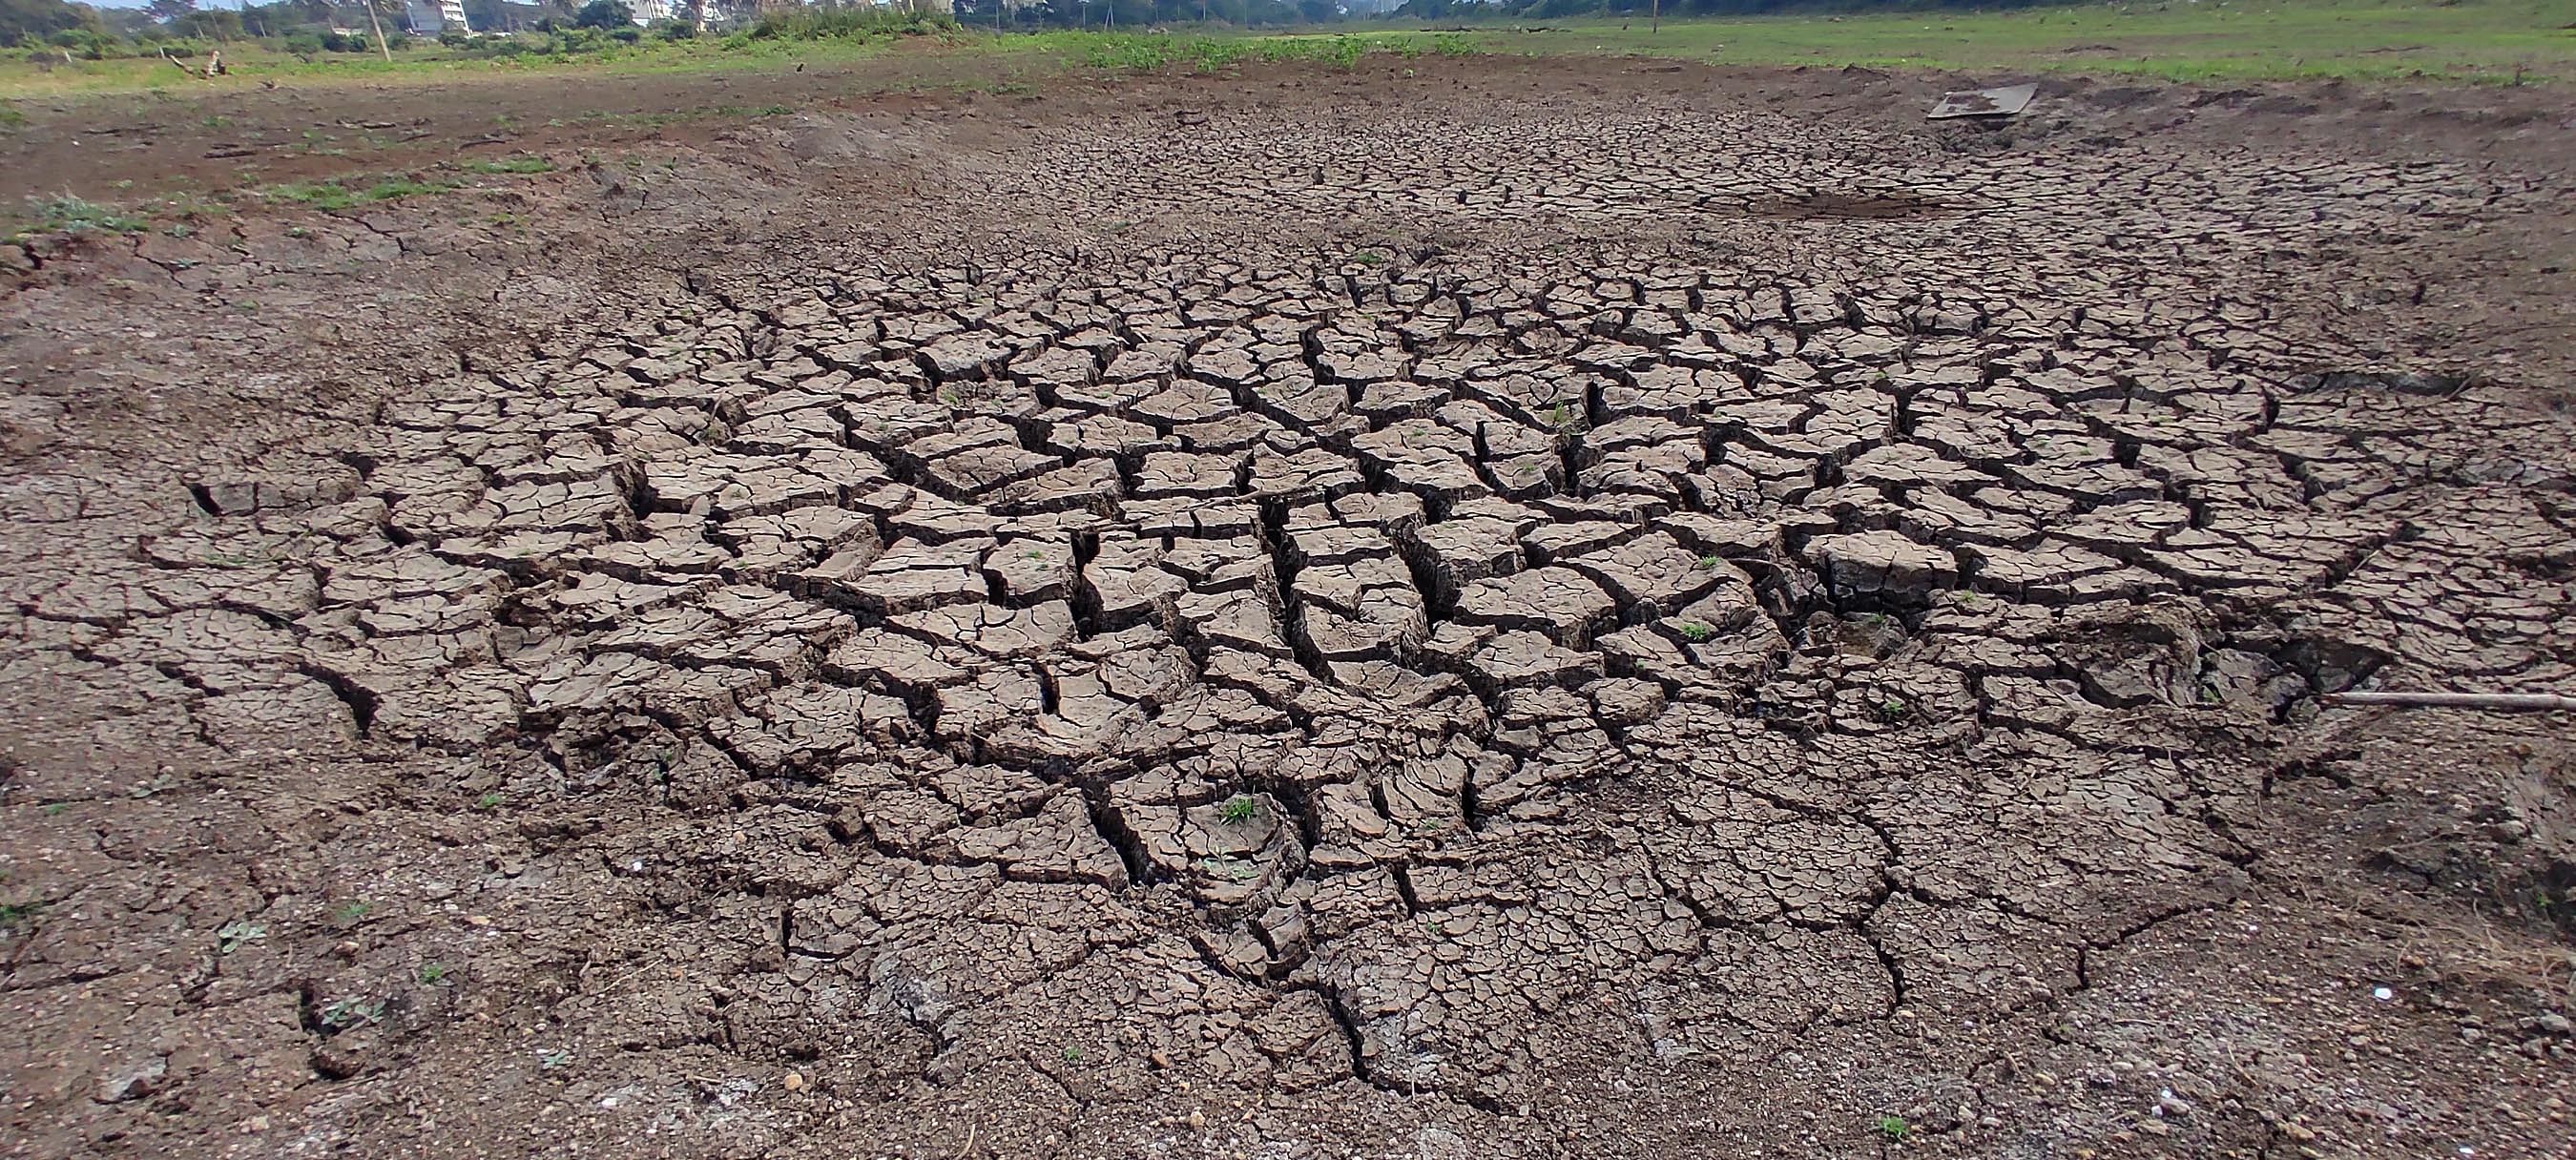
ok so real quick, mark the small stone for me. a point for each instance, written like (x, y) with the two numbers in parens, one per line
(340, 1058)
(795, 1082)
(134, 1083)
(1197, 1120)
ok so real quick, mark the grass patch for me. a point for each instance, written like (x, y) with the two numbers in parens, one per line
(14, 915)
(332, 195)
(2476, 41)
(77, 217)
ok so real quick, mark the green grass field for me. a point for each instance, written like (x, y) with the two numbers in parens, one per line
(2474, 41)
(2211, 40)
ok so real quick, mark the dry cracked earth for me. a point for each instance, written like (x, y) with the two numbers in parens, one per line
(1567, 626)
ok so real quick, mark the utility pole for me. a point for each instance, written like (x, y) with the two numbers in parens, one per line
(379, 26)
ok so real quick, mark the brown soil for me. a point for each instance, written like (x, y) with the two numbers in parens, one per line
(1462, 608)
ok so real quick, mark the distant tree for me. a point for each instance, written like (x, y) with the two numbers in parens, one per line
(166, 11)
(218, 24)
(32, 21)
(605, 14)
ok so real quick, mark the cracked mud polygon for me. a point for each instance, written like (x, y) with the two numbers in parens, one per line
(1524, 620)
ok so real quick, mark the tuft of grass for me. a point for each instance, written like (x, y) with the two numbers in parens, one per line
(14, 915)
(351, 912)
(490, 801)
(433, 974)
(512, 165)
(1238, 809)
(1894, 1128)
(1695, 632)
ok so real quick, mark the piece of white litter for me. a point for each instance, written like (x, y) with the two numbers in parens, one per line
(2382, 994)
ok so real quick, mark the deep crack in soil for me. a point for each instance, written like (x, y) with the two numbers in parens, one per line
(1509, 624)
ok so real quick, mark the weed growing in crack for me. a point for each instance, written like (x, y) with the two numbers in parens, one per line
(235, 935)
(1712, 562)
(1695, 632)
(14, 915)
(1230, 869)
(351, 912)
(554, 1060)
(490, 801)
(57, 809)
(1892, 711)
(1073, 1055)
(343, 1014)
(433, 974)
(1894, 1128)
(1369, 258)
(1238, 809)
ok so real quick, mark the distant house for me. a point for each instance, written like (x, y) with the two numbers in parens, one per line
(432, 17)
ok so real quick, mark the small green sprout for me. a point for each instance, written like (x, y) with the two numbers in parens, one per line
(344, 1014)
(1238, 809)
(235, 935)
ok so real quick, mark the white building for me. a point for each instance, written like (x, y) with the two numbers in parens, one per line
(431, 17)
